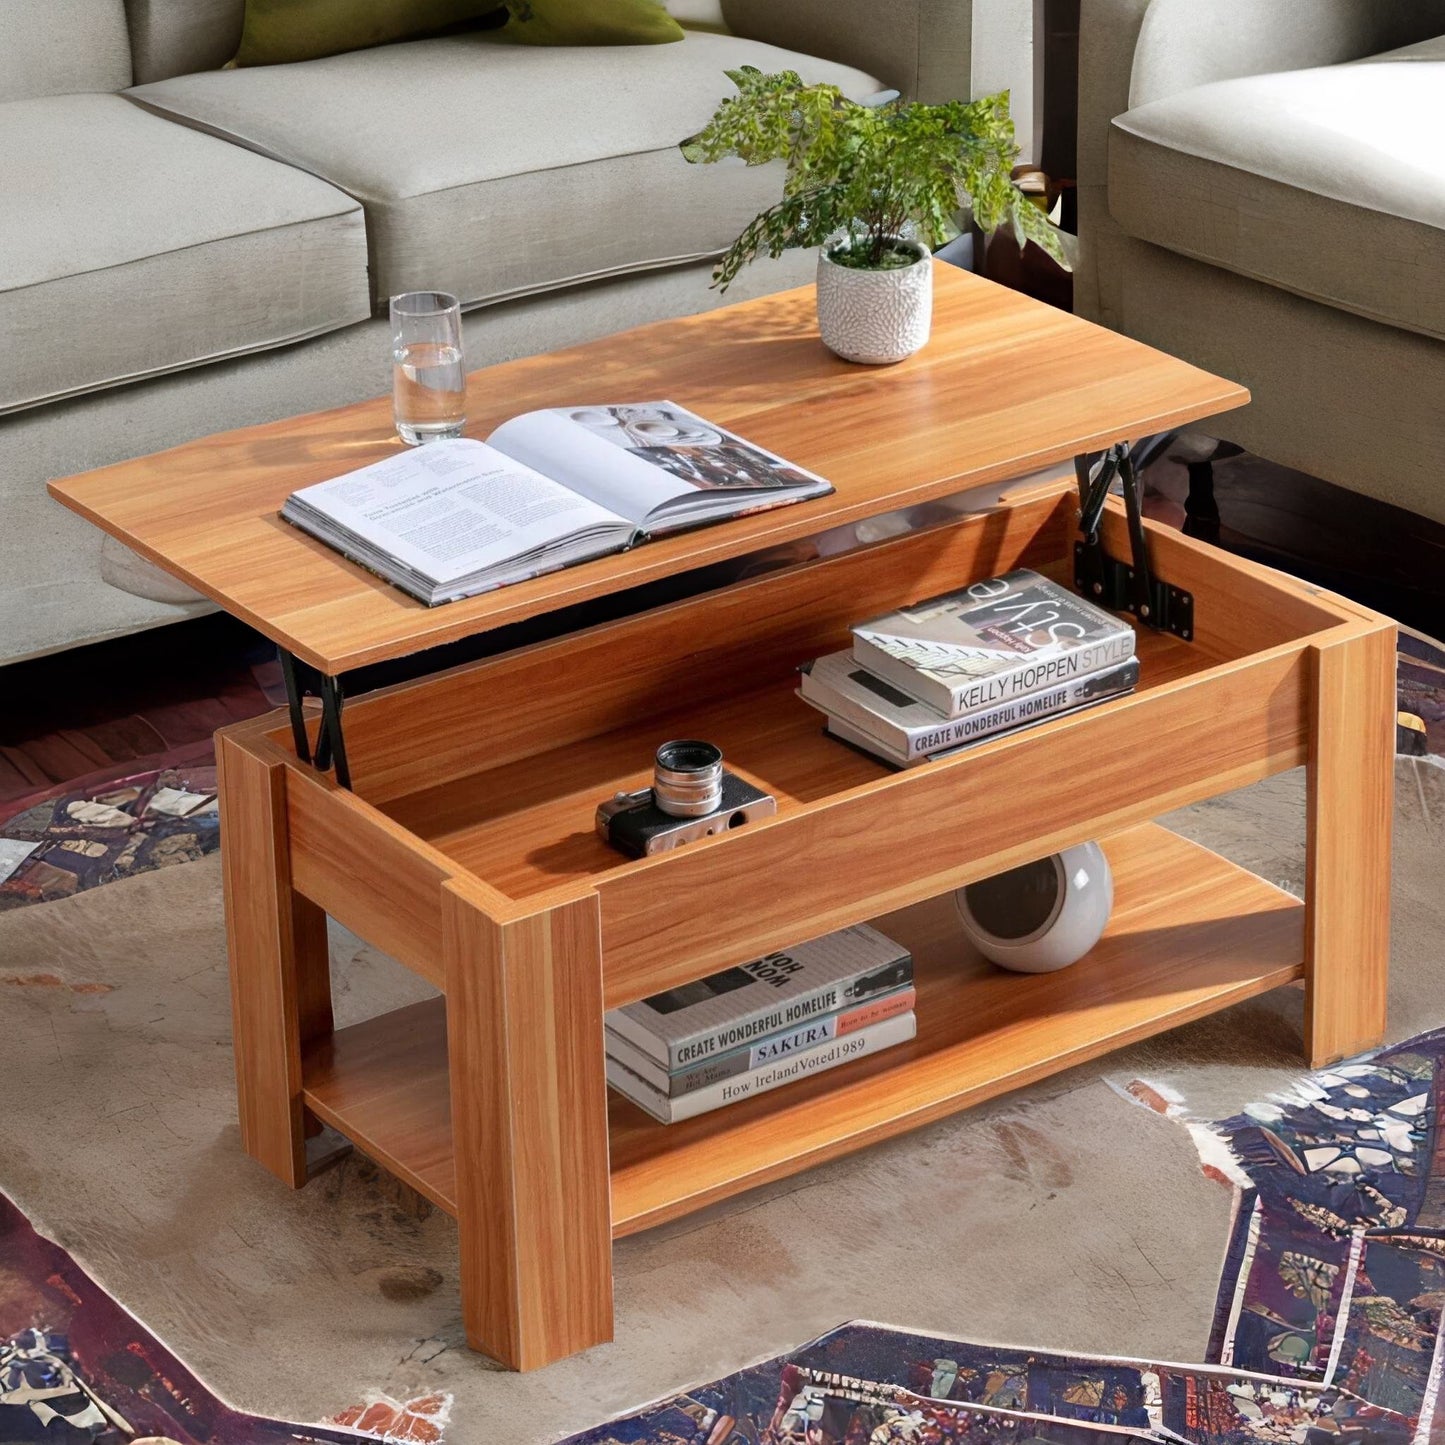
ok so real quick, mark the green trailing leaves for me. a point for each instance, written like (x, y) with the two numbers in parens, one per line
(859, 175)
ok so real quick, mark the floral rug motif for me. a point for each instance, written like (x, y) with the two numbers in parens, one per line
(867, 1384)
(83, 837)
(75, 1368)
(1336, 1266)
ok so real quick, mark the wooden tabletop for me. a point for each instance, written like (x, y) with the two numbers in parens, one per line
(1006, 385)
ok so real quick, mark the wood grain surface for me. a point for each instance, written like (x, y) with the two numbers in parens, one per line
(279, 960)
(1007, 385)
(427, 733)
(1350, 817)
(529, 1119)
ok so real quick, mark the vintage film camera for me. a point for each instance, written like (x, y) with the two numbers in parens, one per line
(692, 796)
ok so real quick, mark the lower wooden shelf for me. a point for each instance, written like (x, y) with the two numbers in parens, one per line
(1191, 933)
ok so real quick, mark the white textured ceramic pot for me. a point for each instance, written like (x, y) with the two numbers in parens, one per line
(875, 316)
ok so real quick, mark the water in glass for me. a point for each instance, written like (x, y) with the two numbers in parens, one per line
(429, 391)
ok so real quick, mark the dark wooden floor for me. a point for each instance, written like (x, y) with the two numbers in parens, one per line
(142, 701)
(1386, 558)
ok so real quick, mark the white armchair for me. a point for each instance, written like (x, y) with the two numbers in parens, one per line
(1262, 192)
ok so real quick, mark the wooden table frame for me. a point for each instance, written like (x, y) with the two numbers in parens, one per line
(494, 1104)
(464, 845)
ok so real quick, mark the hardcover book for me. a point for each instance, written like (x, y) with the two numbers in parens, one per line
(843, 1050)
(766, 1051)
(991, 642)
(739, 1006)
(546, 489)
(912, 731)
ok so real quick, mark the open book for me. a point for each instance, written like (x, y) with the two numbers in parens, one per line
(545, 490)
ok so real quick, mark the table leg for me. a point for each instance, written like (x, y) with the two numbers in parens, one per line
(529, 1122)
(280, 969)
(1351, 808)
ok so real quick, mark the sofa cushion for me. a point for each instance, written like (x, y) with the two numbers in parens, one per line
(130, 246)
(1327, 182)
(60, 47)
(491, 170)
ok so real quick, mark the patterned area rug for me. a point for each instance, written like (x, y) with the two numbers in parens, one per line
(1421, 694)
(75, 1367)
(1328, 1326)
(867, 1384)
(88, 835)
(1325, 1329)
(1335, 1270)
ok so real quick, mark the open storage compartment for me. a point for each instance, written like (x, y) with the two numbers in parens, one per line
(504, 762)
(1190, 933)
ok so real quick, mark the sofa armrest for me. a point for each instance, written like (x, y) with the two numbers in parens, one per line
(929, 49)
(1184, 43)
(1135, 51)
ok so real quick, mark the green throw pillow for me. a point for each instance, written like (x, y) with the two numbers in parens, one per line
(277, 32)
(590, 22)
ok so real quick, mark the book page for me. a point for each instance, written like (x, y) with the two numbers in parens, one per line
(580, 459)
(455, 507)
(655, 463)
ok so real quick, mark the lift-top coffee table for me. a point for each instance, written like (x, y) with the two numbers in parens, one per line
(459, 836)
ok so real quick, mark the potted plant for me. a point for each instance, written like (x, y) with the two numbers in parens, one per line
(877, 187)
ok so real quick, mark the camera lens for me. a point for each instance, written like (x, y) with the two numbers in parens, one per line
(687, 778)
(688, 756)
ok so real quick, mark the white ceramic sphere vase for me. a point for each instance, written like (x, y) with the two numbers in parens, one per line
(875, 317)
(1043, 916)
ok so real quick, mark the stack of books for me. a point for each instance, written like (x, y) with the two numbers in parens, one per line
(972, 664)
(754, 1028)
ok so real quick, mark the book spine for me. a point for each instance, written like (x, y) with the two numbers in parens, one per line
(902, 675)
(626, 1053)
(925, 740)
(856, 737)
(826, 999)
(766, 1051)
(849, 1047)
(1094, 687)
(641, 1039)
(973, 695)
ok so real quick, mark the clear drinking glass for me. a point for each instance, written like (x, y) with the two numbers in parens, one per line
(428, 375)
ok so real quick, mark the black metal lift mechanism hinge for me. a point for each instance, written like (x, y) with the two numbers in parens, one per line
(1123, 586)
(301, 678)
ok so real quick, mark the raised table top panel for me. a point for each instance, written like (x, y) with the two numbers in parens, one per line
(1190, 933)
(1006, 386)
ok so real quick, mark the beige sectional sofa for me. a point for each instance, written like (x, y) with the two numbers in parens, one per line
(1262, 192)
(185, 249)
